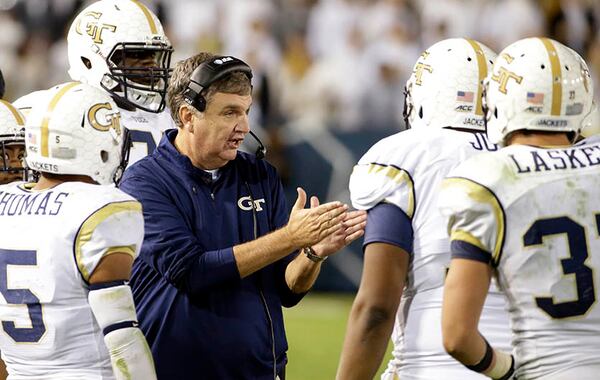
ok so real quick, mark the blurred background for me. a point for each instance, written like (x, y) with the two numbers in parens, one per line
(328, 83)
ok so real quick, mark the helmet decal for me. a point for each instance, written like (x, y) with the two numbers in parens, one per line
(45, 133)
(482, 69)
(112, 120)
(93, 29)
(556, 76)
(503, 76)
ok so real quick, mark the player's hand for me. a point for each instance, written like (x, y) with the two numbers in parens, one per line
(352, 227)
(307, 227)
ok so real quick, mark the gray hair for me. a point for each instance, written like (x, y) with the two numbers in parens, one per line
(236, 83)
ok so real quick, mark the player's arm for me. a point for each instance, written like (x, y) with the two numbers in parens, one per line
(475, 235)
(373, 312)
(465, 291)
(105, 246)
(3, 373)
(111, 301)
(388, 242)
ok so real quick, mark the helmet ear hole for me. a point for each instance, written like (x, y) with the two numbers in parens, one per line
(496, 112)
(104, 155)
(421, 112)
(86, 62)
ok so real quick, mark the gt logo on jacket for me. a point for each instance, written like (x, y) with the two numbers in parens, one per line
(245, 203)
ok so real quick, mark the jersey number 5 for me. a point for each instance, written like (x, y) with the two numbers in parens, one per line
(21, 296)
(574, 264)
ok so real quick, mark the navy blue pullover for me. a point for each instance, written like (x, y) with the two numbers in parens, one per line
(201, 320)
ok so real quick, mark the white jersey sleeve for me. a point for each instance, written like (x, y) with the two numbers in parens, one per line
(114, 227)
(378, 178)
(475, 215)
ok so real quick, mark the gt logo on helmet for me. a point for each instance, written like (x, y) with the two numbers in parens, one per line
(419, 72)
(112, 119)
(503, 77)
(92, 28)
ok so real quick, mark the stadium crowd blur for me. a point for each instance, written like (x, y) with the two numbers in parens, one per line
(338, 64)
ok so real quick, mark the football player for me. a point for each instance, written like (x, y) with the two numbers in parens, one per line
(12, 144)
(66, 308)
(406, 248)
(120, 46)
(530, 215)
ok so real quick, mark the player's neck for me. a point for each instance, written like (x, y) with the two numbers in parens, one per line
(49, 182)
(539, 139)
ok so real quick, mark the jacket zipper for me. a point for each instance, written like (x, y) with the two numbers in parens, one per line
(262, 296)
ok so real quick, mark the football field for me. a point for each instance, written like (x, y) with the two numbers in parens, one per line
(315, 331)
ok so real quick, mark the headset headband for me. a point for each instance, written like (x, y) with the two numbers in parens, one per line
(208, 73)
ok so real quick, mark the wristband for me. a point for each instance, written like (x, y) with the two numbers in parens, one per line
(312, 256)
(485, 362)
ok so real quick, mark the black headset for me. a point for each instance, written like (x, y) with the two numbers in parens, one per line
(208, 73)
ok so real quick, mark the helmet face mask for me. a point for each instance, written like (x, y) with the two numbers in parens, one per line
(538, 84)
(445, 87)
(12, 144)
(120, 46)
(12, 148)
(139, 74)
(75, 129)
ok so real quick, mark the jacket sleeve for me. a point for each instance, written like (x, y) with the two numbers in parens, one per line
(171, 248)
(280, 218)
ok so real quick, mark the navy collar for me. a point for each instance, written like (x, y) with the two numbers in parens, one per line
(166, 150)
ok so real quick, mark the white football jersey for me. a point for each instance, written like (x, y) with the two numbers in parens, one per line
(51, 241)
(146, 130)
(535, 213)
(406, 170)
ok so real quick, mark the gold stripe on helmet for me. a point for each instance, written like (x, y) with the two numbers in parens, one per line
(148, 15)
(482, 67)
(14, 111)
(48, 114)
(556, 76)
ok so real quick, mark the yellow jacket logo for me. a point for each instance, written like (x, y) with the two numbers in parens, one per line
(93, 28)
(503, 76)
(419, 68)
(112, 120)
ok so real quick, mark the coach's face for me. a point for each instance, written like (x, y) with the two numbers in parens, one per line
(217, 133)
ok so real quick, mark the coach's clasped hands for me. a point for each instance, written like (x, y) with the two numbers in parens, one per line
(327, 227)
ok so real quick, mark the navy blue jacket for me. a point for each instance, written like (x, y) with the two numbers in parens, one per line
(201, 320)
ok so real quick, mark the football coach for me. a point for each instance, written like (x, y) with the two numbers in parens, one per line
(221, 255)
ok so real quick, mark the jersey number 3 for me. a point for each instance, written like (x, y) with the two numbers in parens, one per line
(574, 264)
(19, 296)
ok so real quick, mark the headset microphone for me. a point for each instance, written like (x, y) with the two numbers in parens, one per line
(261, 151)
